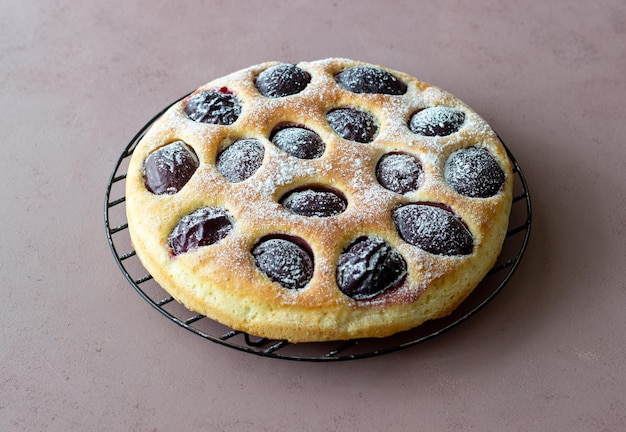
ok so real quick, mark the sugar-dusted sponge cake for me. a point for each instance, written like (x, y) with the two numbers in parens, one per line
(326, 200)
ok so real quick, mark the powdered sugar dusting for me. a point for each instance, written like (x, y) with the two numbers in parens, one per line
(400, 173)
(248, 179)
(215, 107)
(474, 172)
(370, 79)
(240, 160)
(286, 171)
(437, 121)
(285, 262)
(433, 229)
(353, 124)
(282, 80)
(299, 142)
(317, 203)
(169, 168)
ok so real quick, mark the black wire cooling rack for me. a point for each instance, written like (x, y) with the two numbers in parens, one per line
(128, 262)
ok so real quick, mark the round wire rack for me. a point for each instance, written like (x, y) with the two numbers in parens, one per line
(128, 262)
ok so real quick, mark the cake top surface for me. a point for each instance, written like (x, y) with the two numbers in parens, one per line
(324, 184)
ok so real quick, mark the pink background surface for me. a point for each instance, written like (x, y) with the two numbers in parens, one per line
(81, 351)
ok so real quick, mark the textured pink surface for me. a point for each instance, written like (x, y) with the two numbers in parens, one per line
(80, 350)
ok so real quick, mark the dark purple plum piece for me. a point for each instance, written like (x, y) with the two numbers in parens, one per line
(284, 262)
(241, 159)
(399, 172)
(473, 172)
(353, 124)
(168, 169)
(299, 142)
(437, 121)
(282, 80)
(314, 202)
(203, 227)
(433, 229)
(214, 107)
(368, 268)
(370, 79)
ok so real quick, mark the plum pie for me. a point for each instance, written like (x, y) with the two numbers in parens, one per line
(317, 201)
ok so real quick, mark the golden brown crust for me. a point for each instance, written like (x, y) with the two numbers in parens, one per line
(222, 281)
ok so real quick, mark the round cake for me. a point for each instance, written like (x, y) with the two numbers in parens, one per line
(327, 200)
